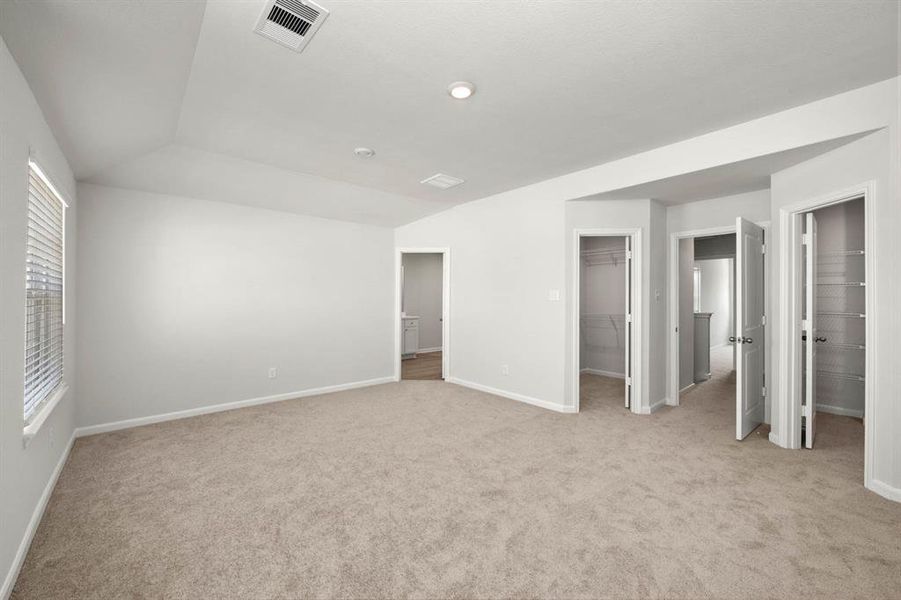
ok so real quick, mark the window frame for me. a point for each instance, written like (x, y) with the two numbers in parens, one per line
(41, 410)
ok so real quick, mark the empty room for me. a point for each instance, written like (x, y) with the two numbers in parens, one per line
(450, 299)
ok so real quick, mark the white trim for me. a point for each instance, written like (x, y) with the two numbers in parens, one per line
(429, 350)
(839, 410)
(885, 490)
(789, 399)
(561, 408)
(214, 408)
(656, 406)
(445, 306)
(603, 373)
(637, 275)
(32, 427)
(32, 528)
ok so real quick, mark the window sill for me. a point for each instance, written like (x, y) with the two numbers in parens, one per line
(32, 428)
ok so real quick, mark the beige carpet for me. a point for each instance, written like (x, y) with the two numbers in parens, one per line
(426, 489)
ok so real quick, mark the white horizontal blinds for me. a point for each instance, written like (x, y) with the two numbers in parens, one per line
(43, 293)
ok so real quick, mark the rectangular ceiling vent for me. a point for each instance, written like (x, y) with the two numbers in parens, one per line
(442, 181)
(290, 23)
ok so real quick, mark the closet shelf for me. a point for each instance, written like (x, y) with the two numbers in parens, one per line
(840, 253)
(843, 283)
(839, 346)
(607, 256)
(845, 376)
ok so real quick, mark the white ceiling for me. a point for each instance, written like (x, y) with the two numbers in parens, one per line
(725, 180)
(134, 90)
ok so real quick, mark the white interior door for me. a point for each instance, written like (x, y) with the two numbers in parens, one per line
(628, 322)
(809, 325)
(749, 328)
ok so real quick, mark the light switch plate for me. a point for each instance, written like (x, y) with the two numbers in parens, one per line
(553, 295)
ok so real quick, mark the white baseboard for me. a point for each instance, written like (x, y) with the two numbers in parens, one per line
(32, 528)
(512, 395)
(839, 410)
(647, 410)
(885, 490)
(603, 373)
(428, 350)
(687, 387)
(203, 410)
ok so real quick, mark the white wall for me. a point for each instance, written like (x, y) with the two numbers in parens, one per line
(602, 306)
(187, 303)
(873, 158)
(26, 472)
(716, 297)
(423, 280)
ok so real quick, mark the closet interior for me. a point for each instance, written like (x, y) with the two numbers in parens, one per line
(602, 306)
(838, 301)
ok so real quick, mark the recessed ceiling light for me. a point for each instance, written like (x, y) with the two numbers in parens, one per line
(363, 152)
(461, 90)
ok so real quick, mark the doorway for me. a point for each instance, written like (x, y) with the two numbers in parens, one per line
(833, 279)
(421, 314)
(606, 324)
(718, 307)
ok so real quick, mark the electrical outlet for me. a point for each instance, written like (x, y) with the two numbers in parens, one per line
(273, 372)
(505, 369)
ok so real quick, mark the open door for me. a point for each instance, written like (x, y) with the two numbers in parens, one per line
(627, 337)
(809, 325)
(749, 327)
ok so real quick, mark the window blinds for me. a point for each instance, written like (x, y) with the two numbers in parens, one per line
(43, 292)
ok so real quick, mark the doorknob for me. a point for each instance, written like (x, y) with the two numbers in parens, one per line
(747, 341)
(732, 339)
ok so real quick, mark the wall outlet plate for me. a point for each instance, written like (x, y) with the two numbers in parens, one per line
(273, 372)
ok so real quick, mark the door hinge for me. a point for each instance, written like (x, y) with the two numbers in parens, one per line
(628, 254)
(628, 381)
(763, 320)
(763, 391)
(629, 318)
(763, 248)
(805, 239)
(804, 324)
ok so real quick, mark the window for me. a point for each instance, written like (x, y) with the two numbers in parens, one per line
(43, 291)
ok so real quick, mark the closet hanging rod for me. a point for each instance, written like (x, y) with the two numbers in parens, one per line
(840, 346)
(602, 251)
(848, 315)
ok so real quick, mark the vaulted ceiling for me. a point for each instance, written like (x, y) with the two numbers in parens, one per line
(184, 98)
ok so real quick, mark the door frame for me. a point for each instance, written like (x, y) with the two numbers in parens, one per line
(672, 396)
(445, 305)
(637, 343)
(672, 385)
(790, 302)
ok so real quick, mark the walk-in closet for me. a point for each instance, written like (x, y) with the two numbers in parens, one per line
(834, 313)
(602, 303)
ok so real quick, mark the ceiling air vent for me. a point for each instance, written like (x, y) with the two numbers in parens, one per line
(442, 181)
(290, 23)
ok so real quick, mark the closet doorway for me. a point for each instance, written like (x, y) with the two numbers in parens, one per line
(830, 352)
(606, 328)
(421, 314)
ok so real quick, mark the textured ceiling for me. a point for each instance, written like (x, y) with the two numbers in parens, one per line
(133, 88)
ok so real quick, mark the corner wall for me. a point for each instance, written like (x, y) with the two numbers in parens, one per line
(27, 474)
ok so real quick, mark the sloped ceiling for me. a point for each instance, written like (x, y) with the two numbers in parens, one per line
(183, 98)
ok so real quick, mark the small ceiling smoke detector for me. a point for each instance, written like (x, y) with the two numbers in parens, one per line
(363, 152)
(442, 181)
(290, 23)
(461, 90)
